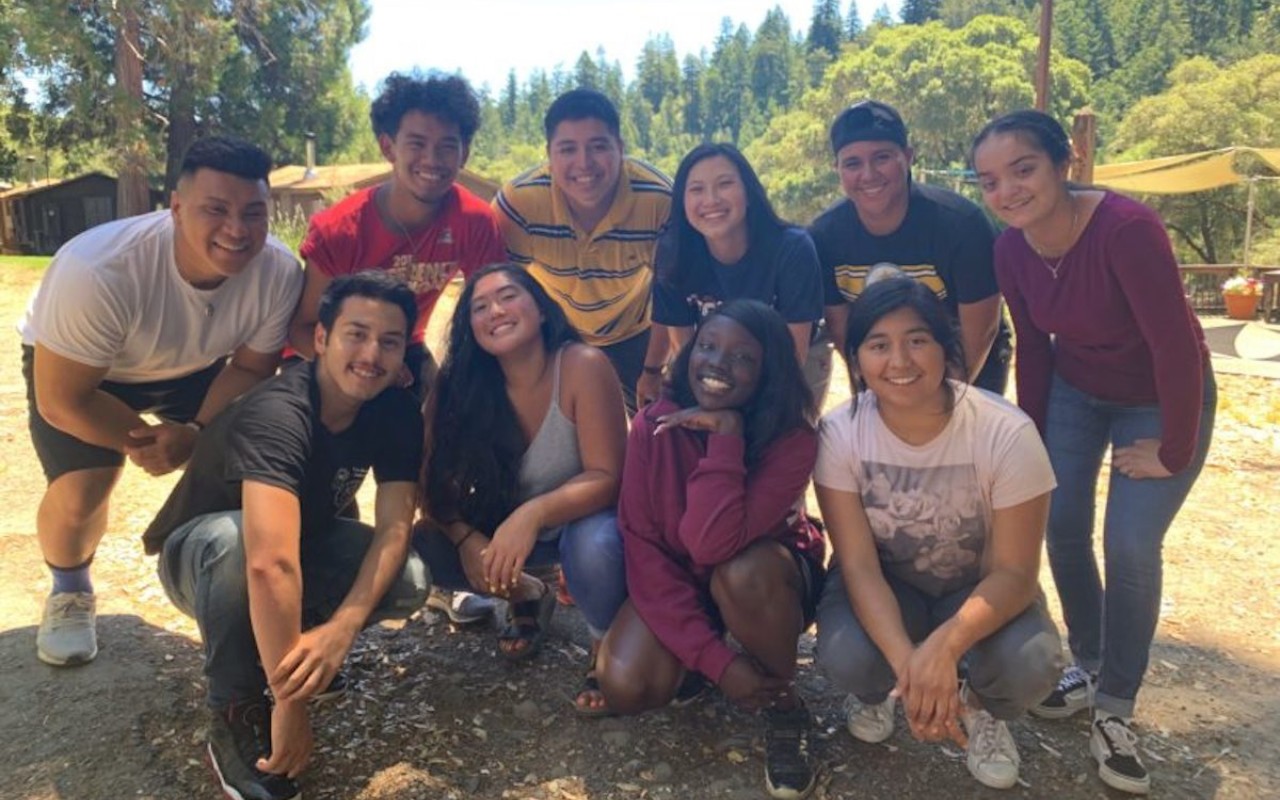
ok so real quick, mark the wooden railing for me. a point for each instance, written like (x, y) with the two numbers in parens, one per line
(1203, 282)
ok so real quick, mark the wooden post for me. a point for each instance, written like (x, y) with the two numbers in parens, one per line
(1042, 60)
(1248, 220)
(1084, 135)
(133, 196)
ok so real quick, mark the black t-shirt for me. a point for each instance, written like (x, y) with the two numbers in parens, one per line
(273, 435)
(945, 242)
(781, 270)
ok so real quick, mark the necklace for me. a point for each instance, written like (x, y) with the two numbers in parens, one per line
(1062, 259)
(385, 207)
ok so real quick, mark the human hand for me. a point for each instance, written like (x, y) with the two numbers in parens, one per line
(648, 388)
(291, 740)
(161, 448)
(312, 662)
(471, 554)
(511, 544)
(1139, 460)
(727, 421)
(745, 684)
(930, 695)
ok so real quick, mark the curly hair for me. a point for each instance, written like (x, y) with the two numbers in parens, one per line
(782, 401)
(473, 439)
(448, 97)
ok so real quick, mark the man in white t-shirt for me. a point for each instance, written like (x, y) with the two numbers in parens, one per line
(174, 313)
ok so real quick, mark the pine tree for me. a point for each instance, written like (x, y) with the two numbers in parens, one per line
(824, 28)
(918, 12)
(853, 23)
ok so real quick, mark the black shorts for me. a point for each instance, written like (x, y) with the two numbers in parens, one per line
(175, 399)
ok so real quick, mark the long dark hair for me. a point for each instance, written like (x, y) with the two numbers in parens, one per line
(887, 296)
(782, 401)
(474, 442)
(682, 248)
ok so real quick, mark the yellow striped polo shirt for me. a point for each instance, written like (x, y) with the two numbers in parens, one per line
(600, 278)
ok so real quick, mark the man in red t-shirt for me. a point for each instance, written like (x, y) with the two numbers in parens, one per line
(420, 226)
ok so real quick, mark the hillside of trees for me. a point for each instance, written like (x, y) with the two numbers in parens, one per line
(1163, 76)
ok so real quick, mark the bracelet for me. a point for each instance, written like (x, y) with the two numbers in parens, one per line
(195, 425)
(458, 544)
(648, 370)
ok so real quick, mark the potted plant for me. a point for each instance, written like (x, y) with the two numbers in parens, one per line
(1242, 294)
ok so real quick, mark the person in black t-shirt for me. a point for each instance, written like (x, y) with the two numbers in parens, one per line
(252, 545)
(726, 243)
(932, 235)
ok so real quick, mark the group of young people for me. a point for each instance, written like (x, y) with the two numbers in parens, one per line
(630, 392)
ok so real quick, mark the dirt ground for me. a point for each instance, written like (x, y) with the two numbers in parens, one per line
(435, 714)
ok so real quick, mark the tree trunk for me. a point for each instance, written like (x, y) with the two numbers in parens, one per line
(132, 193)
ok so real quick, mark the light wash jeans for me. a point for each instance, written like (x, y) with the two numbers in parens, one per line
(588, 550)
(202, 569)
(1110, 632)
(1009, 671)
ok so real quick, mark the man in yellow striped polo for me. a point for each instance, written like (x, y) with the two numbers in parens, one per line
(586, 224)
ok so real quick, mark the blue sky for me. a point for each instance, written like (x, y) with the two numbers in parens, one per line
(486, 38)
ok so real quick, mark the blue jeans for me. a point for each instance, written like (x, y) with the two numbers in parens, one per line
(588, 550)
(1110, 633)
(202, 569)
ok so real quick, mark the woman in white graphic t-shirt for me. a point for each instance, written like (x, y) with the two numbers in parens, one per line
(935, 496)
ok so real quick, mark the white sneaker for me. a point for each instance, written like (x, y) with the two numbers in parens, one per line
(993, 757)
(68, 633)
(462, 608)
(869, 722)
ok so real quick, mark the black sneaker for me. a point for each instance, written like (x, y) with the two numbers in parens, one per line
(788, 773)
(238, 737)
(1115, 747)
(1073, 693)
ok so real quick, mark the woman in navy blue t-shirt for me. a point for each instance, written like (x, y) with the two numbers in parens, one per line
(725, 242)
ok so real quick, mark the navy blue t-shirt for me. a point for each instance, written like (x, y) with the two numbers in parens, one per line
(779, 269)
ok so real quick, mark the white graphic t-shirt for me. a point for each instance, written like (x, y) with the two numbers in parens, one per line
(930, 506)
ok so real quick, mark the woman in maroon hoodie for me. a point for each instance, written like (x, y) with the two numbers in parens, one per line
(715, 535)
(1109, 356)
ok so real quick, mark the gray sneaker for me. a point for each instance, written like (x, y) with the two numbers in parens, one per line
(869, 722)
(68, 633)
(992, 755)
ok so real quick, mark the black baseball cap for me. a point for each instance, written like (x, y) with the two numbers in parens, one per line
(868, 121)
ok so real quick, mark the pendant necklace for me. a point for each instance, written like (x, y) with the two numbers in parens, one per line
(1053, 268)
(385, 205)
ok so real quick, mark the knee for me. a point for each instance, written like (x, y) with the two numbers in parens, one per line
(851, 661)
(1011, 678)
(759, 580)
(629, 689)
(593, 540)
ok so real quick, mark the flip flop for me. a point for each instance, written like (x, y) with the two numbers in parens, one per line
(527, 621)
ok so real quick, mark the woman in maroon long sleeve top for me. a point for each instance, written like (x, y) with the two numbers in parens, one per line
(715, 535)
(1109, 355)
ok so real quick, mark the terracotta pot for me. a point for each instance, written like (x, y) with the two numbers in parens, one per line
(1241, 306)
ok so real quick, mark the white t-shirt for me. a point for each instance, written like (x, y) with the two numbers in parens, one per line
(930, 506)
(112, 297)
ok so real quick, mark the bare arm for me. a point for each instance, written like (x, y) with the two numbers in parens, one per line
(837, 320)
(649, 384)
(801, 332)
(68, 397)
(246, 369)
(594, 401)
(302, 328)
(978, 325)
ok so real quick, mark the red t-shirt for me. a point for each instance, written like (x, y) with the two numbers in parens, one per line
(351, 237)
